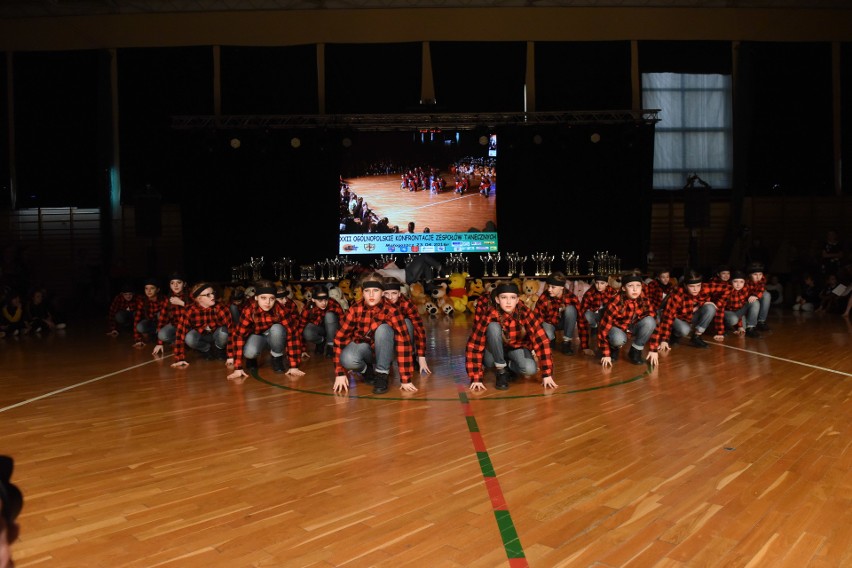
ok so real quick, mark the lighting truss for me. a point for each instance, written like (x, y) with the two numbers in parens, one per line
(380, 122)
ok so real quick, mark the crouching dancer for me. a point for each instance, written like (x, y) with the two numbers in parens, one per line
(504, 338)
(372, 334)
(202, 326)
(264, 323)
(629, 312)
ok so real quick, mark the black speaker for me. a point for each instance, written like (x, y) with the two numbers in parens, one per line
(147, 216)
(696, 208)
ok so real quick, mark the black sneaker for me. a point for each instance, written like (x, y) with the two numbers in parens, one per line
(251, 365)
(613, 352)
(503, 377)
(210, 354)
(318, 349)
(278, 364)
(761, 325)
(329, 351)
(675, 339)
(567, 348)
(221, 354)
(752, 333)
(380, 383)
(369, 376)
(696, 341)
(636, 356)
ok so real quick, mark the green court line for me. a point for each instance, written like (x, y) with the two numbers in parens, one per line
(254, 374)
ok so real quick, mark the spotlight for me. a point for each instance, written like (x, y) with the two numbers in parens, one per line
(235, 143)
(537, 139)
(295, 142)
(483, 140)
(346, 142)
(595, 138)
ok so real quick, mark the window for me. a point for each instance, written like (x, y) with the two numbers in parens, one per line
(694, 135)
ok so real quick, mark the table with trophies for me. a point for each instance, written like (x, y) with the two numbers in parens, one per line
(495, 266)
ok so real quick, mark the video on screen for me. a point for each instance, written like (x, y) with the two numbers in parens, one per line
(425, 191)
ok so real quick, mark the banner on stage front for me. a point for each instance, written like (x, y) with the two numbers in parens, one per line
(392, 243)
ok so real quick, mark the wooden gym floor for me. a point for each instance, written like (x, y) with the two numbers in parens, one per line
(737, 455)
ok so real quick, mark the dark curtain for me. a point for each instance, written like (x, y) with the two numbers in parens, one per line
(56, 134)
(372, 78)
(153, 85)
(269, 80)
(479, 76)
(784, 111)
(846, 116)
(582, 76)
(5, 172)
(697, 57)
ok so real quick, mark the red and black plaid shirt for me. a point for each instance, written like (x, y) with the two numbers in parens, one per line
(656, 292)
(549, 309)
(147, 309)
(409, 311)
(254, 321)
(312, 313)
(718, 290)
(172, 312)
(736, 300)
(483, 305)
(359, 326)
(593, 301)
(682, 305)
(622, 312)
(200, 319)
(521, 329)
(119, 304)
(756, 288)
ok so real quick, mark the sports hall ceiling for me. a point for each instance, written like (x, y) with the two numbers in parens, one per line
(53, 8)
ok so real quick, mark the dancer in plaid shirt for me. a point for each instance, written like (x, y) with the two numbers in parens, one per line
(416, 331)
(121, 309)
(203, 326)
(719, 286)
(658, 289)
(689, 311)
(266, 323)
(558, 308)
(508, 331)
(320, 320)
(373, 332)
(592, 308)
(738, 307)
(629, 312)
(170, 316)
(148, 308)
(757, 293)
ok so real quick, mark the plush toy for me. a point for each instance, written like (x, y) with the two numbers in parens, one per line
(457, 292)
(336, 293)
(439, 295)
(358, 292)
(475, 289)
(529, 292)
(418, 297)
(345, 286)
(580, 287)
(448, 309)
(431, 308)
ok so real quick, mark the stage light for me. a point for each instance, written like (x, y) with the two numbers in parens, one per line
(346, 142)
(537, 139)
(235, 143)
(483, 140)
(295, 142)
(595, 138)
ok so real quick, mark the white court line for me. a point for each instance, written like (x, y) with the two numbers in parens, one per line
(28, 401)
(406, 210)
(826, 369)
